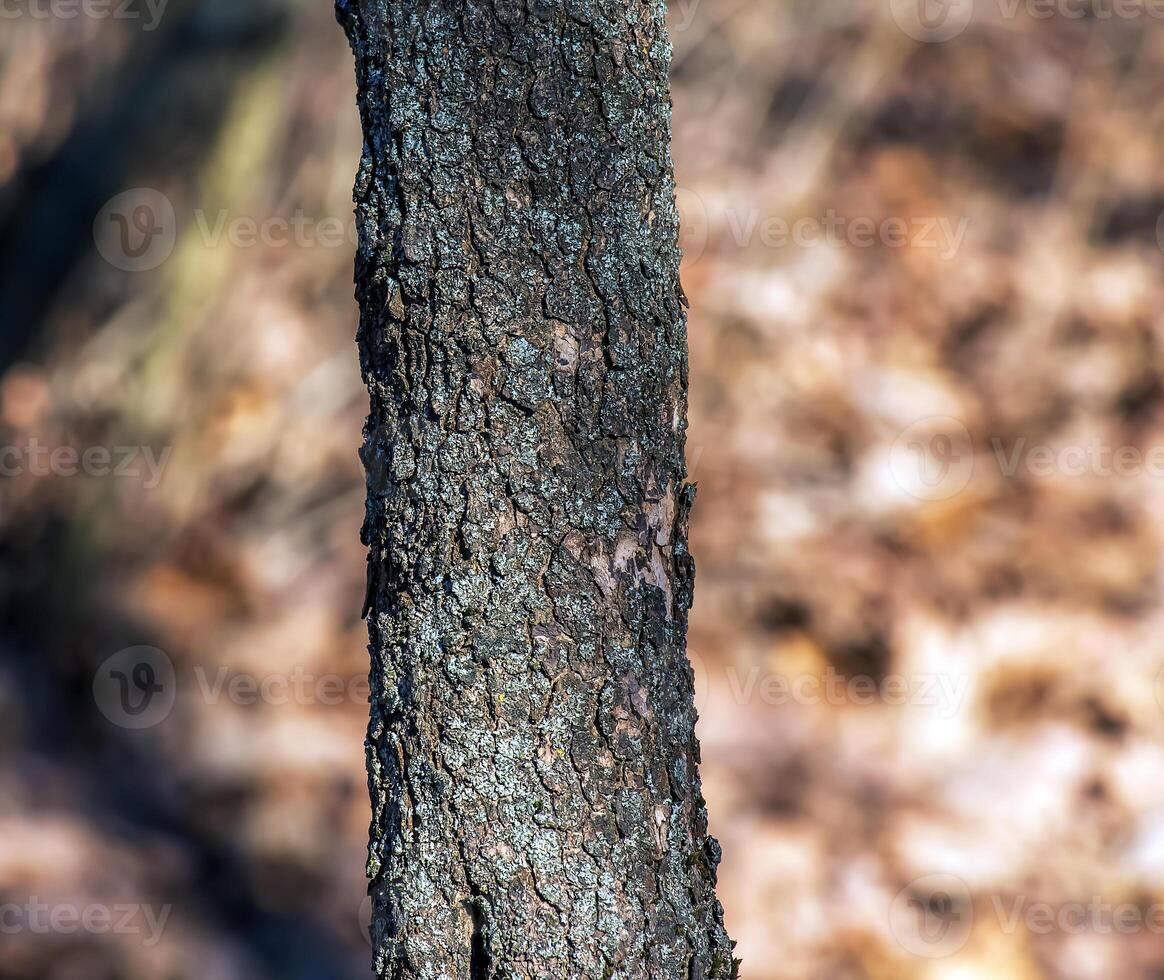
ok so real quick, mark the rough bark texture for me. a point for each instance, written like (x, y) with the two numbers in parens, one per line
(533, 764)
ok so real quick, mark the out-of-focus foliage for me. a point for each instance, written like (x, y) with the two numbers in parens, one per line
(1017, 605)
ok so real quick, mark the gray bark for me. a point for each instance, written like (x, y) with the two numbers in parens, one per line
(532, 756)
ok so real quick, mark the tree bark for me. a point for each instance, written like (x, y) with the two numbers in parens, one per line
(532, 756)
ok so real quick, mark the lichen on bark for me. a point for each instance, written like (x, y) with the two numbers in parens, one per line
(531, 751)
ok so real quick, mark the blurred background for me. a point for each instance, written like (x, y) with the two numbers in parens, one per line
(924, 259)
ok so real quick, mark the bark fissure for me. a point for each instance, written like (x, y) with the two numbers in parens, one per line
(536, 809)
(478, 953)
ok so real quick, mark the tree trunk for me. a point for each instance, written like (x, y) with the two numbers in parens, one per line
(533, 764)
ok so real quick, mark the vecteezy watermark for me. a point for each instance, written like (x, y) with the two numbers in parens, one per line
(752, 226)
(364, 919)
(148, 12)
(1160, 231)
(693, 224)
(935, 458)
(932, 20)
(682, 14)
(941, 20)
(1158, 687)
(933, 916)
(945, 692)
(298, 230)
(1094, 916)
(137, 687)
(300, 686)
(66, 919)
(136, 231)
(132, 462)
(834, 230)
(1081, 9)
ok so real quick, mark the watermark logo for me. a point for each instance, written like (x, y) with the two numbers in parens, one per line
(297, 229)
(133, 462)
(1095, 10)
(681, 15)
(932, 916)
(834, 230)
(693, 224)
(1095, 916)
(380, 443)
(940, 20)
(702, 682)
(754, 227)
(300, 686)
(136, 230)
(933, 459)
(1159, 688)
(148, 12)
(932, 21)
(136, 687)
(947, 693)
(67, 919)
(364, 919)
